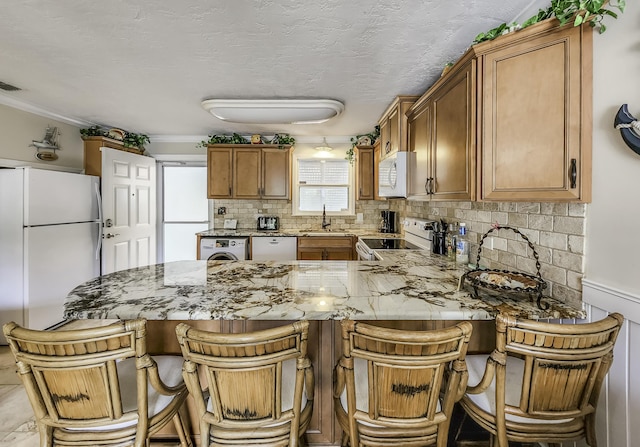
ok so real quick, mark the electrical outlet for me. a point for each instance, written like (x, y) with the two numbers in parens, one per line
(359, 218)
(222, 210)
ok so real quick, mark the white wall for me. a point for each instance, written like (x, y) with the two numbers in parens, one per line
(612, 280)
(613, 218)
(18, 129)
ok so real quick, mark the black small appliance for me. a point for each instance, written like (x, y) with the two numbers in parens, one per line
(388, 222)
(268, 223)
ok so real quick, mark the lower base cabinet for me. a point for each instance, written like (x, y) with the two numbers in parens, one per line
(319, 248)
(324, 350)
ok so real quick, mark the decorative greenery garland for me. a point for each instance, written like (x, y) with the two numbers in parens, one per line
(580, 11)
(130, 139)
(281, 139)
(373, 136)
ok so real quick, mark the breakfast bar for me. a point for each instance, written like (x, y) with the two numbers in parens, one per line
(410, 290)
(404, 286)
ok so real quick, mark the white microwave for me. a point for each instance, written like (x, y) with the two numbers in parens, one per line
(393, 174)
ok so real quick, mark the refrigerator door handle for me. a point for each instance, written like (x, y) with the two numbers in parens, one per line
(99, 202)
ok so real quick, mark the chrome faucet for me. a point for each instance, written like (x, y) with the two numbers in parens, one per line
(325, 224)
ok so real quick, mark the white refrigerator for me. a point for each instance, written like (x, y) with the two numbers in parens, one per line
(49, 242)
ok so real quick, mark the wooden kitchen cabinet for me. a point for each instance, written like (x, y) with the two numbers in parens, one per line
(219, 172)
(248, 172)
(329, 248)
(441, 132)
(93, 155)
(393, 126)
(536, 114)
(511, 121)
(366, 174)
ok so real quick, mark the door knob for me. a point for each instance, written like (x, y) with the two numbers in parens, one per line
(109, 235)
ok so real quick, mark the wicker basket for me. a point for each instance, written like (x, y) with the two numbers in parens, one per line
(505, 280)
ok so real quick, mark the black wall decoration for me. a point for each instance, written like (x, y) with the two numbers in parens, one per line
(629, 128)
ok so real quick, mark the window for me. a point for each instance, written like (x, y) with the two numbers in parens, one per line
(185, 210)
(323, 182)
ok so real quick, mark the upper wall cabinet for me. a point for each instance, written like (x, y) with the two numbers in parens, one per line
(241, 171)
(93, 155)
(441, 132)
(366, 172)
(537, 114)
(511, 121)
(393, 126)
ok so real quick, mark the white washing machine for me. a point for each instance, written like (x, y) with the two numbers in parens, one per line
(224, 248)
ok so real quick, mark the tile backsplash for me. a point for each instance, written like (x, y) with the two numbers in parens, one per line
(247, 212)
(556, 231)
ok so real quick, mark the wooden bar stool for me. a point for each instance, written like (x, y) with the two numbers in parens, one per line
(98, 386)
(542, 382)
(398, 388)
(260, 385)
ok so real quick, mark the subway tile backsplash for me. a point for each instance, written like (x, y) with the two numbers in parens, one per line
(555, 229)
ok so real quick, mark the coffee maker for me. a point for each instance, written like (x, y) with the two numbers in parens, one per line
(388, 222)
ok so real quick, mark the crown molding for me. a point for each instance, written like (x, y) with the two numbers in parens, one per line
(10, 101)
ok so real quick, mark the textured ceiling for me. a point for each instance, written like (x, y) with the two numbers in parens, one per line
(146, 65)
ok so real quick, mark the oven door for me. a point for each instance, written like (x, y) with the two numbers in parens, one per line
(364, 252)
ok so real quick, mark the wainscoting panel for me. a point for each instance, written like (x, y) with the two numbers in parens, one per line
(618, 423)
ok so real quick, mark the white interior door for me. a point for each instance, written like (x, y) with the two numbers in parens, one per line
(129, 210)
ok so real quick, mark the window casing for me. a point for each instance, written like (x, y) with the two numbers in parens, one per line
(322, 182)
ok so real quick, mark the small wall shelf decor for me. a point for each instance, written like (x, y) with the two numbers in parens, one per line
(629, 128)
(47, 147)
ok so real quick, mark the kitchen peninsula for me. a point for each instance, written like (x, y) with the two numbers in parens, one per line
(404, 286)
(408, 289)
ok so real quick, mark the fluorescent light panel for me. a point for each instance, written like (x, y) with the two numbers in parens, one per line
(274, 111)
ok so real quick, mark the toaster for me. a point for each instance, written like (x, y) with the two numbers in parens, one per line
(268, 223)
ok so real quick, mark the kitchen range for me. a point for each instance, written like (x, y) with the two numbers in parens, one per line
(418, 236)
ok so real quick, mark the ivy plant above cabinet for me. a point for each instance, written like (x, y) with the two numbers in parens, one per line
(244, 171)
(393, 126)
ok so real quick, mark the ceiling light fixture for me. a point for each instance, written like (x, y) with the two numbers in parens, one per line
(274, 111)
(324, 147)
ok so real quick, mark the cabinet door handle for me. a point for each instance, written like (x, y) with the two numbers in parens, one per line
(387, 148)
(229, 190)
(574, 173)
(433, 185)
(426, 185)
(430, 185)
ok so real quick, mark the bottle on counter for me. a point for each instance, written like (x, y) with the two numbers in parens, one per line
(462, 245)
(451, 241)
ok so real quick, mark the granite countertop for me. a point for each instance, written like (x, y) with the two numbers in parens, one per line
(294, 232)
(406, 285)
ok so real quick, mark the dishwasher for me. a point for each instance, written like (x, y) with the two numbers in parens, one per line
(274, 248)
